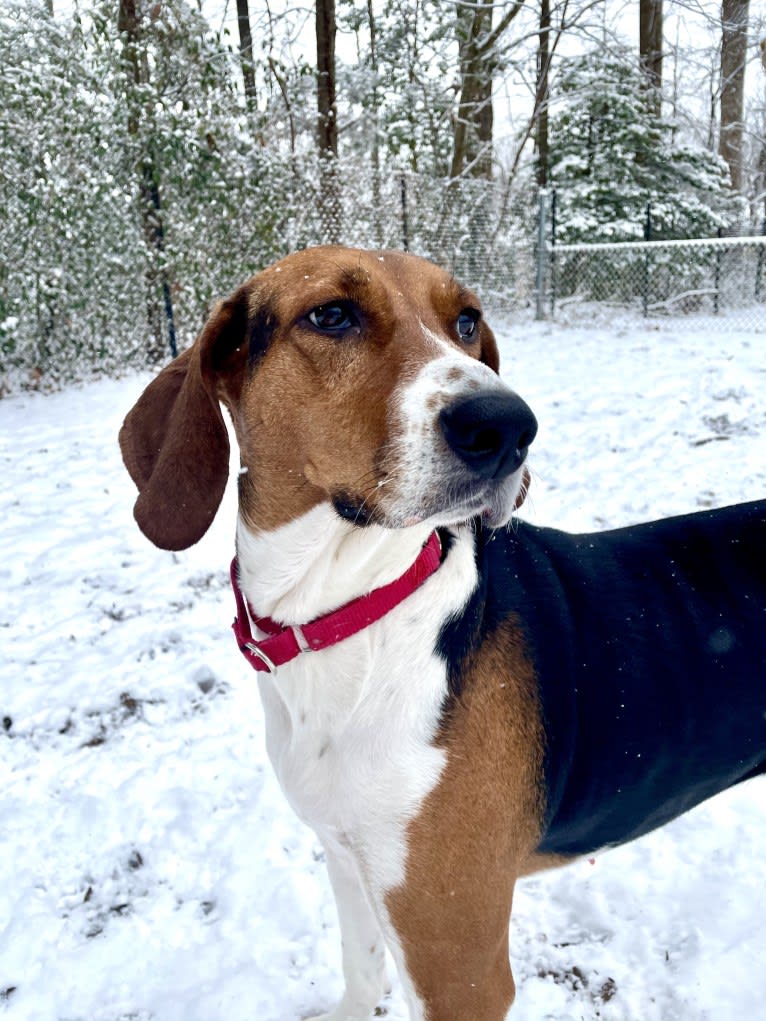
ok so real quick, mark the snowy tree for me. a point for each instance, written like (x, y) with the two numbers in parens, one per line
(734, 20)
(246, 52)
(611, 155)
(67, 236)
(415, 75)
(81, 275)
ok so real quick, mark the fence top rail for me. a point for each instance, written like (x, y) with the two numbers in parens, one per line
(637, 246)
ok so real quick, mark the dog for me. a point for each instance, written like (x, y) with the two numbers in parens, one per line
(450, 703)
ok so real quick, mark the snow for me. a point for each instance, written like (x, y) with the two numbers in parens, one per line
(150, 869)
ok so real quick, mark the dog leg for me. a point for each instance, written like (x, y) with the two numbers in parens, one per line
(363, 944)
(458, 969)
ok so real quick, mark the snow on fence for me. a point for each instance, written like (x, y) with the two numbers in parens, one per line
(58, 324)
(88, 310)
(723, 277)
(469, 226)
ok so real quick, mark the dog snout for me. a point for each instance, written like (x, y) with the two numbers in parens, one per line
(490, 433)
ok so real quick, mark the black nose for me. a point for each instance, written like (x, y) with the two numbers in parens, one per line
(489, 432)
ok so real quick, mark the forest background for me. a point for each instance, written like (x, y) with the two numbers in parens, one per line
(157, 153)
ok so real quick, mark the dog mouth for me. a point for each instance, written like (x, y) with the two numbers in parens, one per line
(355, 509)
(455, 502)
(491, 502)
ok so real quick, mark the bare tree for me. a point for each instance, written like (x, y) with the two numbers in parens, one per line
(555, 23)
(374, 119)
(327, 116)
(136, 67)
(542, 93)
(327, 119)
(246, 52)
(734, 18)
(759, 190)
(478, 48)
(650, 48)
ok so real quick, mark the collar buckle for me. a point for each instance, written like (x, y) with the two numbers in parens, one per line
(269, 664)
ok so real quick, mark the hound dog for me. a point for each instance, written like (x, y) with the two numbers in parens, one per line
(449, 703)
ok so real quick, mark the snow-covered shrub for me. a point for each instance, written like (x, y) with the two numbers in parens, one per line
(612, 155)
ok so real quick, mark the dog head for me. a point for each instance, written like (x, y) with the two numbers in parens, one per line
(366, 380)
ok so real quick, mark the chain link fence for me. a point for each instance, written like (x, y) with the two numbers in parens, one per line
(720, 277)
(67, 324)
(470, 227)
(63, 324)
(494, 241)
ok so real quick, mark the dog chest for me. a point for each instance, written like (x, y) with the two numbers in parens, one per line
(350, 732)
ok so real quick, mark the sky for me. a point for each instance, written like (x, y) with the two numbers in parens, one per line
(690, 26)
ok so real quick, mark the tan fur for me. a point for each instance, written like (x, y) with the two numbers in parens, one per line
(474, 836)
(311, 413)
(315, 417)
(543, 862)
(333, 431)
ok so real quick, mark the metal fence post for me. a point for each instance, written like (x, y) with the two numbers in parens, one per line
(717, 277)
(645, 282)
(405, 220)
(553, 254)
(169, 318)
(541, 254)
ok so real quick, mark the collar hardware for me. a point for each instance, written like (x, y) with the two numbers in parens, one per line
(268, 665)
(300, 638)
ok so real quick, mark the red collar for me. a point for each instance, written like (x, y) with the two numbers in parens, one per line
(285, 643)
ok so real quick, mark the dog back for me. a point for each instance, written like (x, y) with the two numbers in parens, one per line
(649, 651)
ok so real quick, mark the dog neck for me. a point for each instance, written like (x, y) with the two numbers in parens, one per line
(318, 562)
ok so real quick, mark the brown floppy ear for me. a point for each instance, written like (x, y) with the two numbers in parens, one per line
(489, 353)
(174, 441)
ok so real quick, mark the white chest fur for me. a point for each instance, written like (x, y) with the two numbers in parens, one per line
(350, 730)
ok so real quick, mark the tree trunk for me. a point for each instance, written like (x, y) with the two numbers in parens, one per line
(377, 200)
(246, 53)
(478, 45)
(159, 303)
(472, 138)
(327, 121)
(650, 49)
(734, 15)
(541, 93)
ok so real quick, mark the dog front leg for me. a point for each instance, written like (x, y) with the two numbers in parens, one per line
(363, 945)
(453, 958)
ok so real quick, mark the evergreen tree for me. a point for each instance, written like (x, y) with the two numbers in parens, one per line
(409, 80)
(67, 236)
(611, 154)
(77, 259)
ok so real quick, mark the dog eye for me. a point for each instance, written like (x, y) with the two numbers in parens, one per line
(334, 317)
(467, 322)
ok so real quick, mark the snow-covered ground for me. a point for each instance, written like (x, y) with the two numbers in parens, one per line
(149, 866)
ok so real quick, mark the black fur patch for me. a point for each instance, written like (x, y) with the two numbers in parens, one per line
(260, 331)
(351, 508)
(648, 645)
(462, 634)
(231, 321)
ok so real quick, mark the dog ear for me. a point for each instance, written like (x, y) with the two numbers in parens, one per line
(174, 441)
(489, 352)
